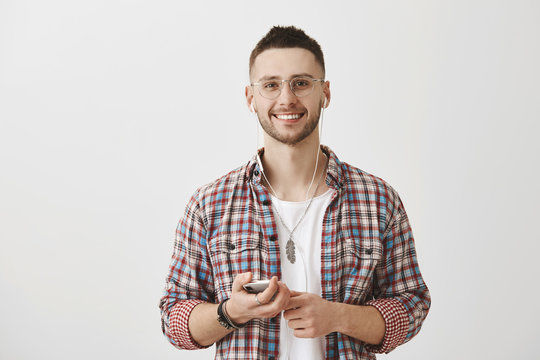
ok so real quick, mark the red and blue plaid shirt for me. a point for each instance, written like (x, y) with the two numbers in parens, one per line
(367, 258)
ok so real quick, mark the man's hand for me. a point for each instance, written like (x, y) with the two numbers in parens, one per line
(243, 307)
(309, 315)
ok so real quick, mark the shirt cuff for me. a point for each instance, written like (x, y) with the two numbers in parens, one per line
(179, 325)
(396, 321)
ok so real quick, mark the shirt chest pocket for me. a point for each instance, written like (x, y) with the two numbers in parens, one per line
(232, 254)
(359, 261)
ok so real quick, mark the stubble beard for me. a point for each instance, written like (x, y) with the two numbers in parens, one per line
(309, 127)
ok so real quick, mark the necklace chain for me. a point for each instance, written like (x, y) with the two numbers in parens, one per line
(290, 247)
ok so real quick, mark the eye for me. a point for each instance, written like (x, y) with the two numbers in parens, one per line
(270, 85)
(302, 83)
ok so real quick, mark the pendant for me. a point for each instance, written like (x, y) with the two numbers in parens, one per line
(289, 248)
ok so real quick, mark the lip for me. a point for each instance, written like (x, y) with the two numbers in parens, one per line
(289, 121)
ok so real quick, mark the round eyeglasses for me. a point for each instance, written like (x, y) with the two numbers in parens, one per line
(300, 86)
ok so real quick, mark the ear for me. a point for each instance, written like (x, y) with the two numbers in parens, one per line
(326, 94)
(249, 99)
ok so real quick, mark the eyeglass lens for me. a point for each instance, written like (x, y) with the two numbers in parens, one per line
(300, 86)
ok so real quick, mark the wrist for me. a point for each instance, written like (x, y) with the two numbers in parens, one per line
(363, 322)
(224, 319)
(339, 317)
(346, 317)
(234, 314)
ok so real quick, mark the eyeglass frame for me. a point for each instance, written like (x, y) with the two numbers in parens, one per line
(290, 85)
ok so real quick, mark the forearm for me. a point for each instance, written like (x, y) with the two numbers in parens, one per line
(204, 326)
(240, 308)
(364, 323)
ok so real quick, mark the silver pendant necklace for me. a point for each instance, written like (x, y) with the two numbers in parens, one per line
(290, 248)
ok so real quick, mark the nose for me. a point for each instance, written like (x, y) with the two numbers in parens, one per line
(286, 96)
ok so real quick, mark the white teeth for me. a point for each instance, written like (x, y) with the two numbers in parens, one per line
(288, 117)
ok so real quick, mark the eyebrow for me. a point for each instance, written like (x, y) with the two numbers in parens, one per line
(273, 77)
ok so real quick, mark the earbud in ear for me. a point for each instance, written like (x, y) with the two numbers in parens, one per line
(324, 103)
(252, 107)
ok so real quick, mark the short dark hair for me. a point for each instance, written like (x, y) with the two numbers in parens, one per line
(283, 37)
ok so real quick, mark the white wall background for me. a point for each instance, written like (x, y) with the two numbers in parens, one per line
(113, 112)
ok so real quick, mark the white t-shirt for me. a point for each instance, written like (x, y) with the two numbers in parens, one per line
(305, 274)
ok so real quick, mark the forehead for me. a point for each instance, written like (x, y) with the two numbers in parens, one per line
(284, 63)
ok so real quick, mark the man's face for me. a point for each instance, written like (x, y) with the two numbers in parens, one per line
(287, 118)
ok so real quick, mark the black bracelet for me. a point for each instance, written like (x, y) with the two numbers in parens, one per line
(224, 318)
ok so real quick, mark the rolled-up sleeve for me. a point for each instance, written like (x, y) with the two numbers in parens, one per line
(400, 294)
(189, 281)
(178, 325)
(396, 322)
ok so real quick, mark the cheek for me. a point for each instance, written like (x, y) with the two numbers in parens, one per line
(314, 106)
(263, 108)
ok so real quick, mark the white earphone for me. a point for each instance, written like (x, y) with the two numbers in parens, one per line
(324, 103)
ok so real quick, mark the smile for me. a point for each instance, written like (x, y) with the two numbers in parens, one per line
(288, 116)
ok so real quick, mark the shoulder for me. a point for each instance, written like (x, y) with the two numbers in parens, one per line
(371, 193)
(221, 199)
(360, 181)
(223, 187)
(358, 184)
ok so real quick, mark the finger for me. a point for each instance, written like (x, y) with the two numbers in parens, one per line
(289, 297)
(240, 280)
(265, 296)
(282, 297)
(292, 314)
(294, 303)
(285, 288)
(296, 293)
(296, 324)
(275, 306)
(301, 333)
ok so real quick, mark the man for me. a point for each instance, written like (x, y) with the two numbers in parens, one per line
(334, 241)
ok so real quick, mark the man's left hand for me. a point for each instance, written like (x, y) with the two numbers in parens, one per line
(309, 315)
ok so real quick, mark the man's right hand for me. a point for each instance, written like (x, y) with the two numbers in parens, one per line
(242, 306)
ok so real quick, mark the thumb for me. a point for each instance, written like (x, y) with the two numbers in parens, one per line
(240, 280)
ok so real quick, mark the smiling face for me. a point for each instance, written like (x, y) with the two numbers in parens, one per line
(287, 118)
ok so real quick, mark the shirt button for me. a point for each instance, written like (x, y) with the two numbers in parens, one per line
(266, 202)
(273, 238)
(231, 246)
(271, 358)
(256, 173)
(274, 320)
(369, 251)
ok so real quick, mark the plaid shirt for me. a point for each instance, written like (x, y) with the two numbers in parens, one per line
(367, 258)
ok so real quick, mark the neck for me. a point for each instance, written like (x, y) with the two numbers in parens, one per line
(290, 168)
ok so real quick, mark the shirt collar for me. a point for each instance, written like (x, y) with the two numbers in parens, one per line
(334, 173)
